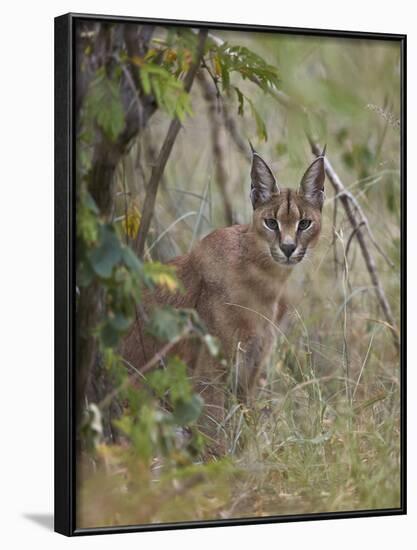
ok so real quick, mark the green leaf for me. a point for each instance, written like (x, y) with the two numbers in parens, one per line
(90, 203)
(113, 328)
(120, 322)
(104, 105)
(87, 219)
(162, 275)
(240, 98)
(167, 89)
(225, 75)
(187, 412)
(172, 380)
(247, 63)
(131, 260)
(109, 336)
(108, 252)
(167, 323)
(146, 81)
(124, 424)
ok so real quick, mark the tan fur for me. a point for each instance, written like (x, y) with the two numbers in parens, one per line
(235, 278)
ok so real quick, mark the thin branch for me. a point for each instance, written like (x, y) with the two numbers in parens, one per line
(334, 242)
(367, 255)
(215, 117)
(212, 76)
(350, 239)
(126, 206)
(365, 222)
(231, 127)
(158, 169)
(346, 355)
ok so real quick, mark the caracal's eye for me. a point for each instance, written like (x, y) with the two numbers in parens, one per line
(304, 224)
(271, 224)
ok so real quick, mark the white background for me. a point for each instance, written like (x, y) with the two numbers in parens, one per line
(26, 271)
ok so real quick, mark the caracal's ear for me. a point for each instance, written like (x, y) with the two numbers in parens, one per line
(312, 183)
(263, 181)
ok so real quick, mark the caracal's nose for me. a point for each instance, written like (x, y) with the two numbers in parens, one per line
(288, 249)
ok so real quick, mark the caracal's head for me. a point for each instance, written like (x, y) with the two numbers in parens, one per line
(287, 220)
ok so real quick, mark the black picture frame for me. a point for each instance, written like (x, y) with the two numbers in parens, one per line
(65, 475)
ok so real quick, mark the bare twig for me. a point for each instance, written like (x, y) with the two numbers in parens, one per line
(126, 207)
(212, 76)
(346, 355)
(335, 258)
(215, 117)
(158, 169)
(365, 222)
(350, 239)
(348, 205)
(233, 130)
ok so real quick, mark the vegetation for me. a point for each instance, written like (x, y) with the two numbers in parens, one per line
(163, 118)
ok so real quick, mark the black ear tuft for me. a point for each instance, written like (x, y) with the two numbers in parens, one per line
(312, 183)
(263, 181)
